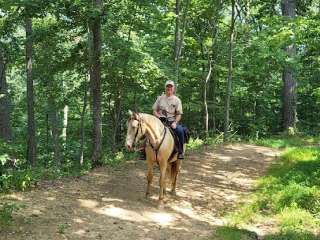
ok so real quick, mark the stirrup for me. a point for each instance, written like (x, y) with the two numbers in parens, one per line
(142, 155)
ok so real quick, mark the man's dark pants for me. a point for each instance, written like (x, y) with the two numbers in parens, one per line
(180, 133)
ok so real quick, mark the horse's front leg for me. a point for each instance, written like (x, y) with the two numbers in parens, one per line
(149, 176)
(162, 181)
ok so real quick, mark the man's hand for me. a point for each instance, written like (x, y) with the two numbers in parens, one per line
(156, 113)
(174, 125)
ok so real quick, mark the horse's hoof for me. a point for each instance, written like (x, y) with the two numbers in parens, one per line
(147, 195)
(173, 193)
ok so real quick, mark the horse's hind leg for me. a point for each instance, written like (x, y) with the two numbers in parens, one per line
(174, 174)
(149, 176)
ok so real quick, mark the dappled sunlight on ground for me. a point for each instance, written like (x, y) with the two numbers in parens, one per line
(110, 203)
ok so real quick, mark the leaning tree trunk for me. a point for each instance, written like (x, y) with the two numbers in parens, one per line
(214, 51)
(205, 101)
(177, 39)
(83, 113)
(31, 139)
(5, 126)
(95, 82)
(116, 113)
(229, 84)
(289, 98)
(179, 34)
(214, 81)
(205, 54)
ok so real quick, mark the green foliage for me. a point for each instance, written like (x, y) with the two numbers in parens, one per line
(116, 159)
(285, 141)
(194, 144)
(18, 179)
(26, 178)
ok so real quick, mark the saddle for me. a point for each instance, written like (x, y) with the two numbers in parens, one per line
(176, 139)
(175, 136)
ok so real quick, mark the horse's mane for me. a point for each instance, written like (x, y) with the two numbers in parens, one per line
(149, 117)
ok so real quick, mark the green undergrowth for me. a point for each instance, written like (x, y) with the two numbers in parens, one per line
(6, 212)
(289, 194)
(16, 175)
(286, 141)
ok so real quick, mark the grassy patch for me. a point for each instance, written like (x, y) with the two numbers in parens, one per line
(292, 235)
(234, 233)
(290, 192)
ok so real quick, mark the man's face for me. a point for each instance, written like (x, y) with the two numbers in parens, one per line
(169, 89)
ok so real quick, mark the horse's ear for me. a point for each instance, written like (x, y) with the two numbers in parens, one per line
(130, 113)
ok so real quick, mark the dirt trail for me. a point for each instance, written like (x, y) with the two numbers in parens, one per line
(110, 203)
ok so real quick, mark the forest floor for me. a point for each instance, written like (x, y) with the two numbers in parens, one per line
(110, 203)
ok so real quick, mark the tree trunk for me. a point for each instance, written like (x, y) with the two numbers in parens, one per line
(53, 118)
(229, 83)
(65, 122)
(83, 113)
(5, 126)
(47, 134)
(31, 139)
(95, 82)
(289, 98)
(116, 119)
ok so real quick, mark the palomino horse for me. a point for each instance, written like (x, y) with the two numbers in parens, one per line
(160, 145)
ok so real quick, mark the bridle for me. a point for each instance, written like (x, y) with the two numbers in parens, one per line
(139, 127)
(156, 150)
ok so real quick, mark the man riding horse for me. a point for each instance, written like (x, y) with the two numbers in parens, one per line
(168, 108)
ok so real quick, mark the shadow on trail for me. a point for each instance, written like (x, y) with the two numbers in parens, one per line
(110, 203)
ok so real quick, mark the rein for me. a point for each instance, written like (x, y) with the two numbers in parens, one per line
(157, 150)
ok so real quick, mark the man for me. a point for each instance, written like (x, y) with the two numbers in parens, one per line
(168, 106)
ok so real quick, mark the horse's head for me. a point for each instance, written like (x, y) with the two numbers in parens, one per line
(135, 130)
